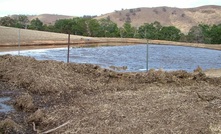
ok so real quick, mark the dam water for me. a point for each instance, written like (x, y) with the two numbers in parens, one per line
(133, 56)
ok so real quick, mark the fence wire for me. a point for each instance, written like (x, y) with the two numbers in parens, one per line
(11, 36)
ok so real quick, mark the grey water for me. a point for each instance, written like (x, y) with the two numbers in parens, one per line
(134, 56)
(4, 108)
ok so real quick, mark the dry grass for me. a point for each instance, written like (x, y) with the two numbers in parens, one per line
(9, 36)
(49, 18)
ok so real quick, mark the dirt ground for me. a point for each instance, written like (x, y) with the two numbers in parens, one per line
(56, 97)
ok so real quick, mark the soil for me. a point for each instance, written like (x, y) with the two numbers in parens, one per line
(56, 97)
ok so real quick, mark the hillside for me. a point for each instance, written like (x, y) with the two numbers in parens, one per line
(46, 18)
(9, 37)
(49, 18)
(182, 18)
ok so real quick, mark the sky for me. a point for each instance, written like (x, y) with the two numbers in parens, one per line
(89, 7)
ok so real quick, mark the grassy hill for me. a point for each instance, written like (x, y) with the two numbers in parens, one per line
(49, 18)
(9, 36)
(46, 18)
(182, 18)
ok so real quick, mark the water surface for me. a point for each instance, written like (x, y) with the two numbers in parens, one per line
(135, 56)
(4, 108)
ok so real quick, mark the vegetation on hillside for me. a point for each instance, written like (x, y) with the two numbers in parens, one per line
(87, 26)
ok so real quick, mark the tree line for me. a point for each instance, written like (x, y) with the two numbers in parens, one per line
(88, 26)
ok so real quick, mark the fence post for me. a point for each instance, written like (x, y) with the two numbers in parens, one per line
(19, 40)
(68, 48)
(147, 64)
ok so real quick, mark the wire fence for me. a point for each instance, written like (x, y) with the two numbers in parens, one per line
(12, 37)
(16, 38)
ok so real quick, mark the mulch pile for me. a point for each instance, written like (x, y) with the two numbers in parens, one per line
(56, 97)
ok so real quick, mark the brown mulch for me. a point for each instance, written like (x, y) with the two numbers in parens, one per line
(56, 97)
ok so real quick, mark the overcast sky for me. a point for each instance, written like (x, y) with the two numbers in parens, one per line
(89, 7)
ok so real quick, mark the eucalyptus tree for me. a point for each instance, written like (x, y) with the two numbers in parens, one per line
(108, 28)
(169, 33)
(79, 26)
(150, 31)
(215, 34)
(36, 24)
(7, 21)
(64, 26)
(128, 30)
(22, 21)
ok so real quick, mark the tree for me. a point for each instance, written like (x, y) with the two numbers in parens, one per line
(206, 29)
(215, 34)
(150, 31)
(128, 31)
(195, 35)
(49, 28)
(64, 26)
(157, 25)
(108, 28)
(78, 26)
(36, 24)
(122, 31)
(183, 38)
(147, 31)
(170, 33)
(199, 34)
(93, 28)
(22, 21)
(7, 21)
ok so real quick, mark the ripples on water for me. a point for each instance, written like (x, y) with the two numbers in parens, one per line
(134, 57)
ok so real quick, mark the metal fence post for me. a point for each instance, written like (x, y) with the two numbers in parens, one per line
(19, 40)
(68, 48)
(147, 64)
